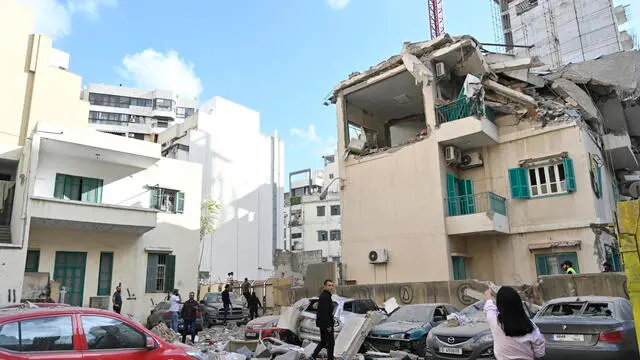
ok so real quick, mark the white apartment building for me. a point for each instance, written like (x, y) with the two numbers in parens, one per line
(313, 211)
(135, 113)
(86, 209)
(562, 31)
(243, 170)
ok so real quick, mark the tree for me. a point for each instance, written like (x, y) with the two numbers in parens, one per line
(209, 212)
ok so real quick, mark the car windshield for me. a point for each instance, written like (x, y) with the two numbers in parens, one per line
(586, 309)
(412, 313)
(213, 298)
(474, 311)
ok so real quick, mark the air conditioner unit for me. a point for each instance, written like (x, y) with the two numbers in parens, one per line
(441, 70)
(452, 155)
(471, 160)
(378, 256)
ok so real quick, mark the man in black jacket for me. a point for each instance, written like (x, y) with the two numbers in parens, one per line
(324, 321)
(226, 302)
(189, 315)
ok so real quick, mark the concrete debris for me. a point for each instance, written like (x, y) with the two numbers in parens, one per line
(354, 333)
(516, 64)
(391, 305)
(396, 354)
(574, 95)
(289, 319)
(165, 333)
(511, 94)
(291, 355)
(420, 72)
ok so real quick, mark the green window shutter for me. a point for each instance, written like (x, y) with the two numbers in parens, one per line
(180, 202)
(170, 273)
(153, 203)
(467, 202)
(58, 191)
(459, 271)
(33, 261)
(541, 265)
(569, 175)
(452, 199)
(519, 181)
(99, 191)
(92, 190)
(105, 272)
(152, 273)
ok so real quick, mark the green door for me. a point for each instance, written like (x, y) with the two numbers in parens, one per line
(69, 272)
(459, 270)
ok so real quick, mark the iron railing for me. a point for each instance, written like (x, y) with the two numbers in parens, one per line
(476, 203)
(462, 108)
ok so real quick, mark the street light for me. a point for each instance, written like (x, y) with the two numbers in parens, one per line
(323, 194)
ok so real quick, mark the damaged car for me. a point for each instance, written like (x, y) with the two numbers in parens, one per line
(343, 308)
(263, 327)
(214, 312)
(406, 329)
(465, 335)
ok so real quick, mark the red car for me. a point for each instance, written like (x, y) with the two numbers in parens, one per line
(82, 333)
(267, 326)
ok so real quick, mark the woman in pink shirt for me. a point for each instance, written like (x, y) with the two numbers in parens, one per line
(515, 337)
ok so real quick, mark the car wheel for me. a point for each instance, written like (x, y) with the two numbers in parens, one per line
(421, 347)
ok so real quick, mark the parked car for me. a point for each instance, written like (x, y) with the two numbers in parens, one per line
(407, 328)
(27, 304)
(214, 310)
(160, 313)
(262, 327)
(81, 333)
(343, 308)
(472, 340)
(589, 327)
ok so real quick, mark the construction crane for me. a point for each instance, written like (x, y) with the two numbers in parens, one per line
(436, 17)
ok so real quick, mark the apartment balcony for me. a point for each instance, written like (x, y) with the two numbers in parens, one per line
(57, 213)
(620, 151)
(466, 124)
(484, 213)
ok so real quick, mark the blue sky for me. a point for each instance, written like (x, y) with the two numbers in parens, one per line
(280, 58)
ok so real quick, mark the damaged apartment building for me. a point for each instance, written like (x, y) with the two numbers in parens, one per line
(457, 163)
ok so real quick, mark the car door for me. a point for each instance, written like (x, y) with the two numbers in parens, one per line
(49, 337)
(111, 338)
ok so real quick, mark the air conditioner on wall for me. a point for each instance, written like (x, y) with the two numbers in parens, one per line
(471, 159)
(378, 256)
(452, 155)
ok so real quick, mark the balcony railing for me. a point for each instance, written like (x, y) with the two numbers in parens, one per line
(462, 108)
(476, 203)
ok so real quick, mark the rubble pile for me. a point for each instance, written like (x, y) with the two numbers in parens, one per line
(164, 332)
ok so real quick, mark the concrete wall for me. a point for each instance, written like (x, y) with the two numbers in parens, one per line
(287, 263)
(244, 171)
(453, 292)
(313, 223)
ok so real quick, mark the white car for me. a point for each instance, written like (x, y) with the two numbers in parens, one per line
(343, 308)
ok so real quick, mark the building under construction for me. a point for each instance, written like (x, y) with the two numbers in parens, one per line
(561, 31)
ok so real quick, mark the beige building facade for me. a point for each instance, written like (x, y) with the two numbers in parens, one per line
(452, 171)
(83, 208)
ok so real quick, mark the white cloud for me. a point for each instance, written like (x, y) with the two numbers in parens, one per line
(150, 69)
(53, 17)
(309, 134)
(338, 4)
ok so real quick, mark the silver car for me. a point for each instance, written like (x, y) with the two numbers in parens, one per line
(589, 327)
(343, 308)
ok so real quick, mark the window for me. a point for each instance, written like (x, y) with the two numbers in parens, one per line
(549, 179)
(322, 235)
(550, 264)
(109, 100)
(141, 102)
(335, 210)
(101, 117)
(103, 333)
(160, 272)
(137, 136)
(320, 210)
(163, 104)
(46, 334)
(33, 261)
(162, 124)
(104, 273)
(330, 176)
(335, 235)
(336, 259)
(166, 200)
(296, 236)
(459, 269)
(183, 112)
(69, 187)
(10, 337)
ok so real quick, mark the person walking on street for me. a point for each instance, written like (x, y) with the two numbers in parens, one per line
(226, 302)
(189, 314)
(117, 300)
(567, 267)
(324, 321)
(254, 303)
(246, 290)
(174, 309)
(515, 336)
